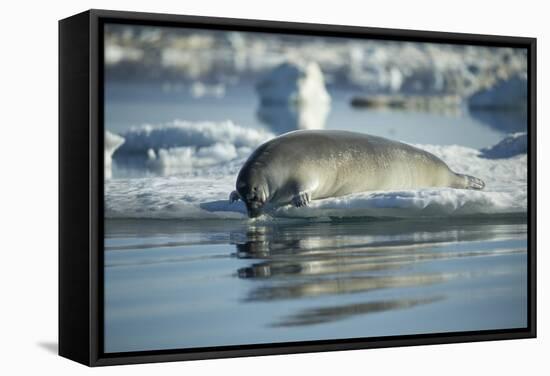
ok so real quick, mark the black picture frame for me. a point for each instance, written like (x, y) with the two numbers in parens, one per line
(81, 186)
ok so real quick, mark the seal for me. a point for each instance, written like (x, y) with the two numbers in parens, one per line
(306, 165)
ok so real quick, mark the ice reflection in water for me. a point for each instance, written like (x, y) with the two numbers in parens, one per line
(282, 118)
(178, 284)
(299, 263)
(327, 314)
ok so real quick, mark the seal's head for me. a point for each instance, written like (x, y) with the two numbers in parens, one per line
(253, 190)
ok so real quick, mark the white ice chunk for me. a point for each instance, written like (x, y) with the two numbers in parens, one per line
(111, 143)
(293, 82)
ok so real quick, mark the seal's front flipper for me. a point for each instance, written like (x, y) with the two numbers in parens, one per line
(234, 196)
(301, 199)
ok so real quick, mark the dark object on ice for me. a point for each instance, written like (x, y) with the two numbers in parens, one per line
(408, 102)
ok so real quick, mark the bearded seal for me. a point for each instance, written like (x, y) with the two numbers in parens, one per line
(305, 165)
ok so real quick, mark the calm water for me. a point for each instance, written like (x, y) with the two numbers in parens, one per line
(177, 284)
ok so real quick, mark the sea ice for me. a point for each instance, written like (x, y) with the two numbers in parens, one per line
(205, 195)
(140, 139)
(293, 83)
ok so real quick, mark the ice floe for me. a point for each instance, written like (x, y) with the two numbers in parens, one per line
(141, 139)
(205, 196)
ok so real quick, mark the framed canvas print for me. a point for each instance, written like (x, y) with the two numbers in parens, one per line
(238, 187)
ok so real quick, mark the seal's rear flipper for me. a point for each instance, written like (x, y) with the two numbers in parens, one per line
(473, 182)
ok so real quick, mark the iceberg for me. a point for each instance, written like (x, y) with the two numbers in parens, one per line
(293, 83)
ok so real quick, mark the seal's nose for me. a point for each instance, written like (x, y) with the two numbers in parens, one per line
(255, 197)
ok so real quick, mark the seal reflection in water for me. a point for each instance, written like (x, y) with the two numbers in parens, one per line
(305, 165)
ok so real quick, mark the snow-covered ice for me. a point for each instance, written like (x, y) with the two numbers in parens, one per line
(175, 134)
(204, 192)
